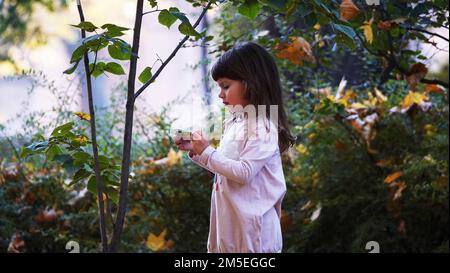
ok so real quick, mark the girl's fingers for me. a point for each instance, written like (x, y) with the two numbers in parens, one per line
(196, 136)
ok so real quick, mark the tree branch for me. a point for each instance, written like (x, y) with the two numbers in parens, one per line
(427, 32)
(100, 187)
(174, 52)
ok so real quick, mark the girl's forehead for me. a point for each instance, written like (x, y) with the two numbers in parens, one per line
(221, 80)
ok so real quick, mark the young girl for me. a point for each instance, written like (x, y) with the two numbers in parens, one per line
(249, 183)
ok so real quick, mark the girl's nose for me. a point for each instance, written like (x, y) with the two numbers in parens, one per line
(221, 94)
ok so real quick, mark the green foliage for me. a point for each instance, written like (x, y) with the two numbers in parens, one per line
(17, 25)
(117, 48)
(170, 16)
(249, 8)
(145, 75)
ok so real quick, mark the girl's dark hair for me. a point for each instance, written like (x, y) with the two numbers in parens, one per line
(251, 63)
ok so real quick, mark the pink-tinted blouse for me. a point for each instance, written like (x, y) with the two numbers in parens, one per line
(248, 189)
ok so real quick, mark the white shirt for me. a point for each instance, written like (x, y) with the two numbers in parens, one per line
(248, 190)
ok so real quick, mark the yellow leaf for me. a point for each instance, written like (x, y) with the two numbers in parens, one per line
(156, 243)
(83, 116)
(358, 105)
(413, 97)
(380, 95)
(392, 177)
(173, 157)
(82, 140)
(302, 149)
(368, 32)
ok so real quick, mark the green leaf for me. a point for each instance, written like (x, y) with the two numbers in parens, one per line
(348, 31)
(34, 148)
(96, 42)
(186, 29)
(98, 69)
(120, 50)
(78, 53)
(113, 196)
(114, 68)
(145, 75)
(52, 151)
(153, 3)
(166, 18)
(80, 158)
(250, 9)
(278, 5)
(114, 27)
(181, 16)
(79, 175)
(63, 129)
(88, 26)
(72, 69)
(114, 30)
(104, 162)
(92, 185)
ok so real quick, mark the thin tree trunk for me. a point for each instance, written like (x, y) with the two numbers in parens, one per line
(100, 187)
(123, 198)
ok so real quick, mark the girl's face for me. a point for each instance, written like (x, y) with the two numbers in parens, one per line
(232, 92)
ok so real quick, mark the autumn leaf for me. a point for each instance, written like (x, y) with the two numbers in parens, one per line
(81, 140)
(339, 145)
(416, 73)
(413, 97)
(83, 116)
(401, 186)
(48, 215)
(302, 149)
(392, 177)
(368, 32)
(296, 50)
(158, 243)
(386, 25)
(348, 10)
(316, 213)
(384, 163)
(307, 206)
(173, 157)
(285, 220)
(434, 88)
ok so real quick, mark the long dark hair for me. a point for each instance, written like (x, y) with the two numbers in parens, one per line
(251, 63)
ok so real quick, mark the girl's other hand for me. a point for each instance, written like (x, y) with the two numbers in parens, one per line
(184, 145)
(199, 142)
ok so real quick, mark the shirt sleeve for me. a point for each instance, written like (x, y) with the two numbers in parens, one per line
(252, 159)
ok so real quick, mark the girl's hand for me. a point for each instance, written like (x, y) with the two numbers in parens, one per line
(184, 145)
(199, 142)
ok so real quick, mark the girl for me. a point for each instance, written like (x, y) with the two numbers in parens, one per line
(249, 183)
